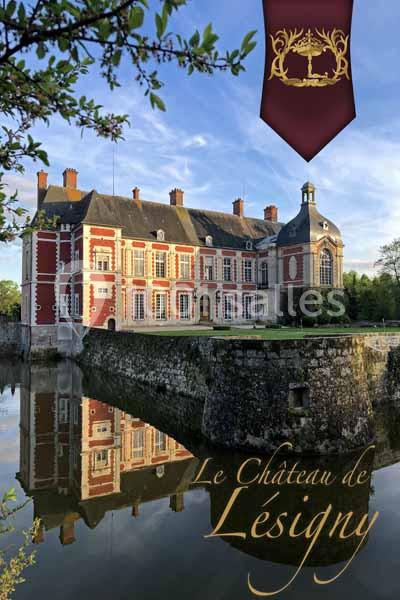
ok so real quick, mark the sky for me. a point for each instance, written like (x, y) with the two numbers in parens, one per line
(212, 143)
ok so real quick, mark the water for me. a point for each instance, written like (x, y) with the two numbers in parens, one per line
(122, 518)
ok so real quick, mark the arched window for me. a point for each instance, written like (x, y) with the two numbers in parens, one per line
(326, 268)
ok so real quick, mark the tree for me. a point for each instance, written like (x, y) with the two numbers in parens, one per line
(389, 261)
(375, 299)
(10, 297)
(12, 568)
(46, 47)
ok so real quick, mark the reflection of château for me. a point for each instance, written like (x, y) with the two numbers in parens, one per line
(81, 457)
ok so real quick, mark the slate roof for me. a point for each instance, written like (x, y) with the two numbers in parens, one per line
(141, 220)
(307, 226)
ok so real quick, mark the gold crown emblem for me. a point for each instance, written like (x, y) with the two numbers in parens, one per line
(310, 46)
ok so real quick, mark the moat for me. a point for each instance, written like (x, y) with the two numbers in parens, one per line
(126, 509)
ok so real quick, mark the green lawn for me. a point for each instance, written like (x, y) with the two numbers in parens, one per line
(277, 334)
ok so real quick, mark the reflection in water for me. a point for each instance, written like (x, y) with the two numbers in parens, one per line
(82, 457)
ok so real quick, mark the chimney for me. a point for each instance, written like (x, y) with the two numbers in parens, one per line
(41, 185)
(67, 532)
(238, 207)
(271, 213)
(136, 194)
(70, 178)
(176, 197)
(176, 502)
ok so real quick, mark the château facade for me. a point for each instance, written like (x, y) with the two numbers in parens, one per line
(122, 263)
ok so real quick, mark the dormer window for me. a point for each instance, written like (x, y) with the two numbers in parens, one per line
(292, 231)
(249, 245)
(325, 225)
(209, 241)
(161, 235)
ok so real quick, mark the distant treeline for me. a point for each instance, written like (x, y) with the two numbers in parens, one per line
(372, 298)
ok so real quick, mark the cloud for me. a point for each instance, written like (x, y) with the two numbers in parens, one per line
(196, 141)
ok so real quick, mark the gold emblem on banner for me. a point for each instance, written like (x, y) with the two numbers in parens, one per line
(310, 46)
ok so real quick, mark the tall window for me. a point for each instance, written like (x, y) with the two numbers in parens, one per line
(138, 306)
(326, 268)
(161, 263)
(184, 266)
(103, 261)
(76, 260)
(161, 307)
(63, 410)
(184, 307)
(248, 308)
(101, 459)
(64, 305)
(228, 307)
(138, 263)
(227, 269)
(209, 268)
(160, 442)
(248, 270)
(138, 443)
(77, 305)
(264, 274)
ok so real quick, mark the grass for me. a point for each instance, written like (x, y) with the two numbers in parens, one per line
(286, 333)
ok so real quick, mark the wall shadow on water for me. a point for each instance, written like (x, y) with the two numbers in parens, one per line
(61, 448)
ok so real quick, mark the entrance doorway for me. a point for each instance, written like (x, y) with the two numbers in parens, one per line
(205, 308)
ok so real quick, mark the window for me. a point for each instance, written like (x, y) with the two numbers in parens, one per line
(326, 268)
(160, 235)
(103, 292)
(102, 429)
(77, 305)
(102, 261)
(61, 266)
(248, 308)
(101, 459)
(249, 245)
(161, 307)
(228, 307)
(64, 305)
(138, 263)
(227, 269)
(264, 274)
(76, 260)
(138, 306)
(209, 268)
(161, 264)
(75, 411)
(184, 266)
(138, 443)
(248, 270)
(184, 307)
(63, 410)
(160, 442)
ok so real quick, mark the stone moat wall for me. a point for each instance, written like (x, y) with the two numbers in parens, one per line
(317, 393)
(14, 339)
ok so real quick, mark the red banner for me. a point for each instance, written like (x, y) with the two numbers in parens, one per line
(308, 93)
